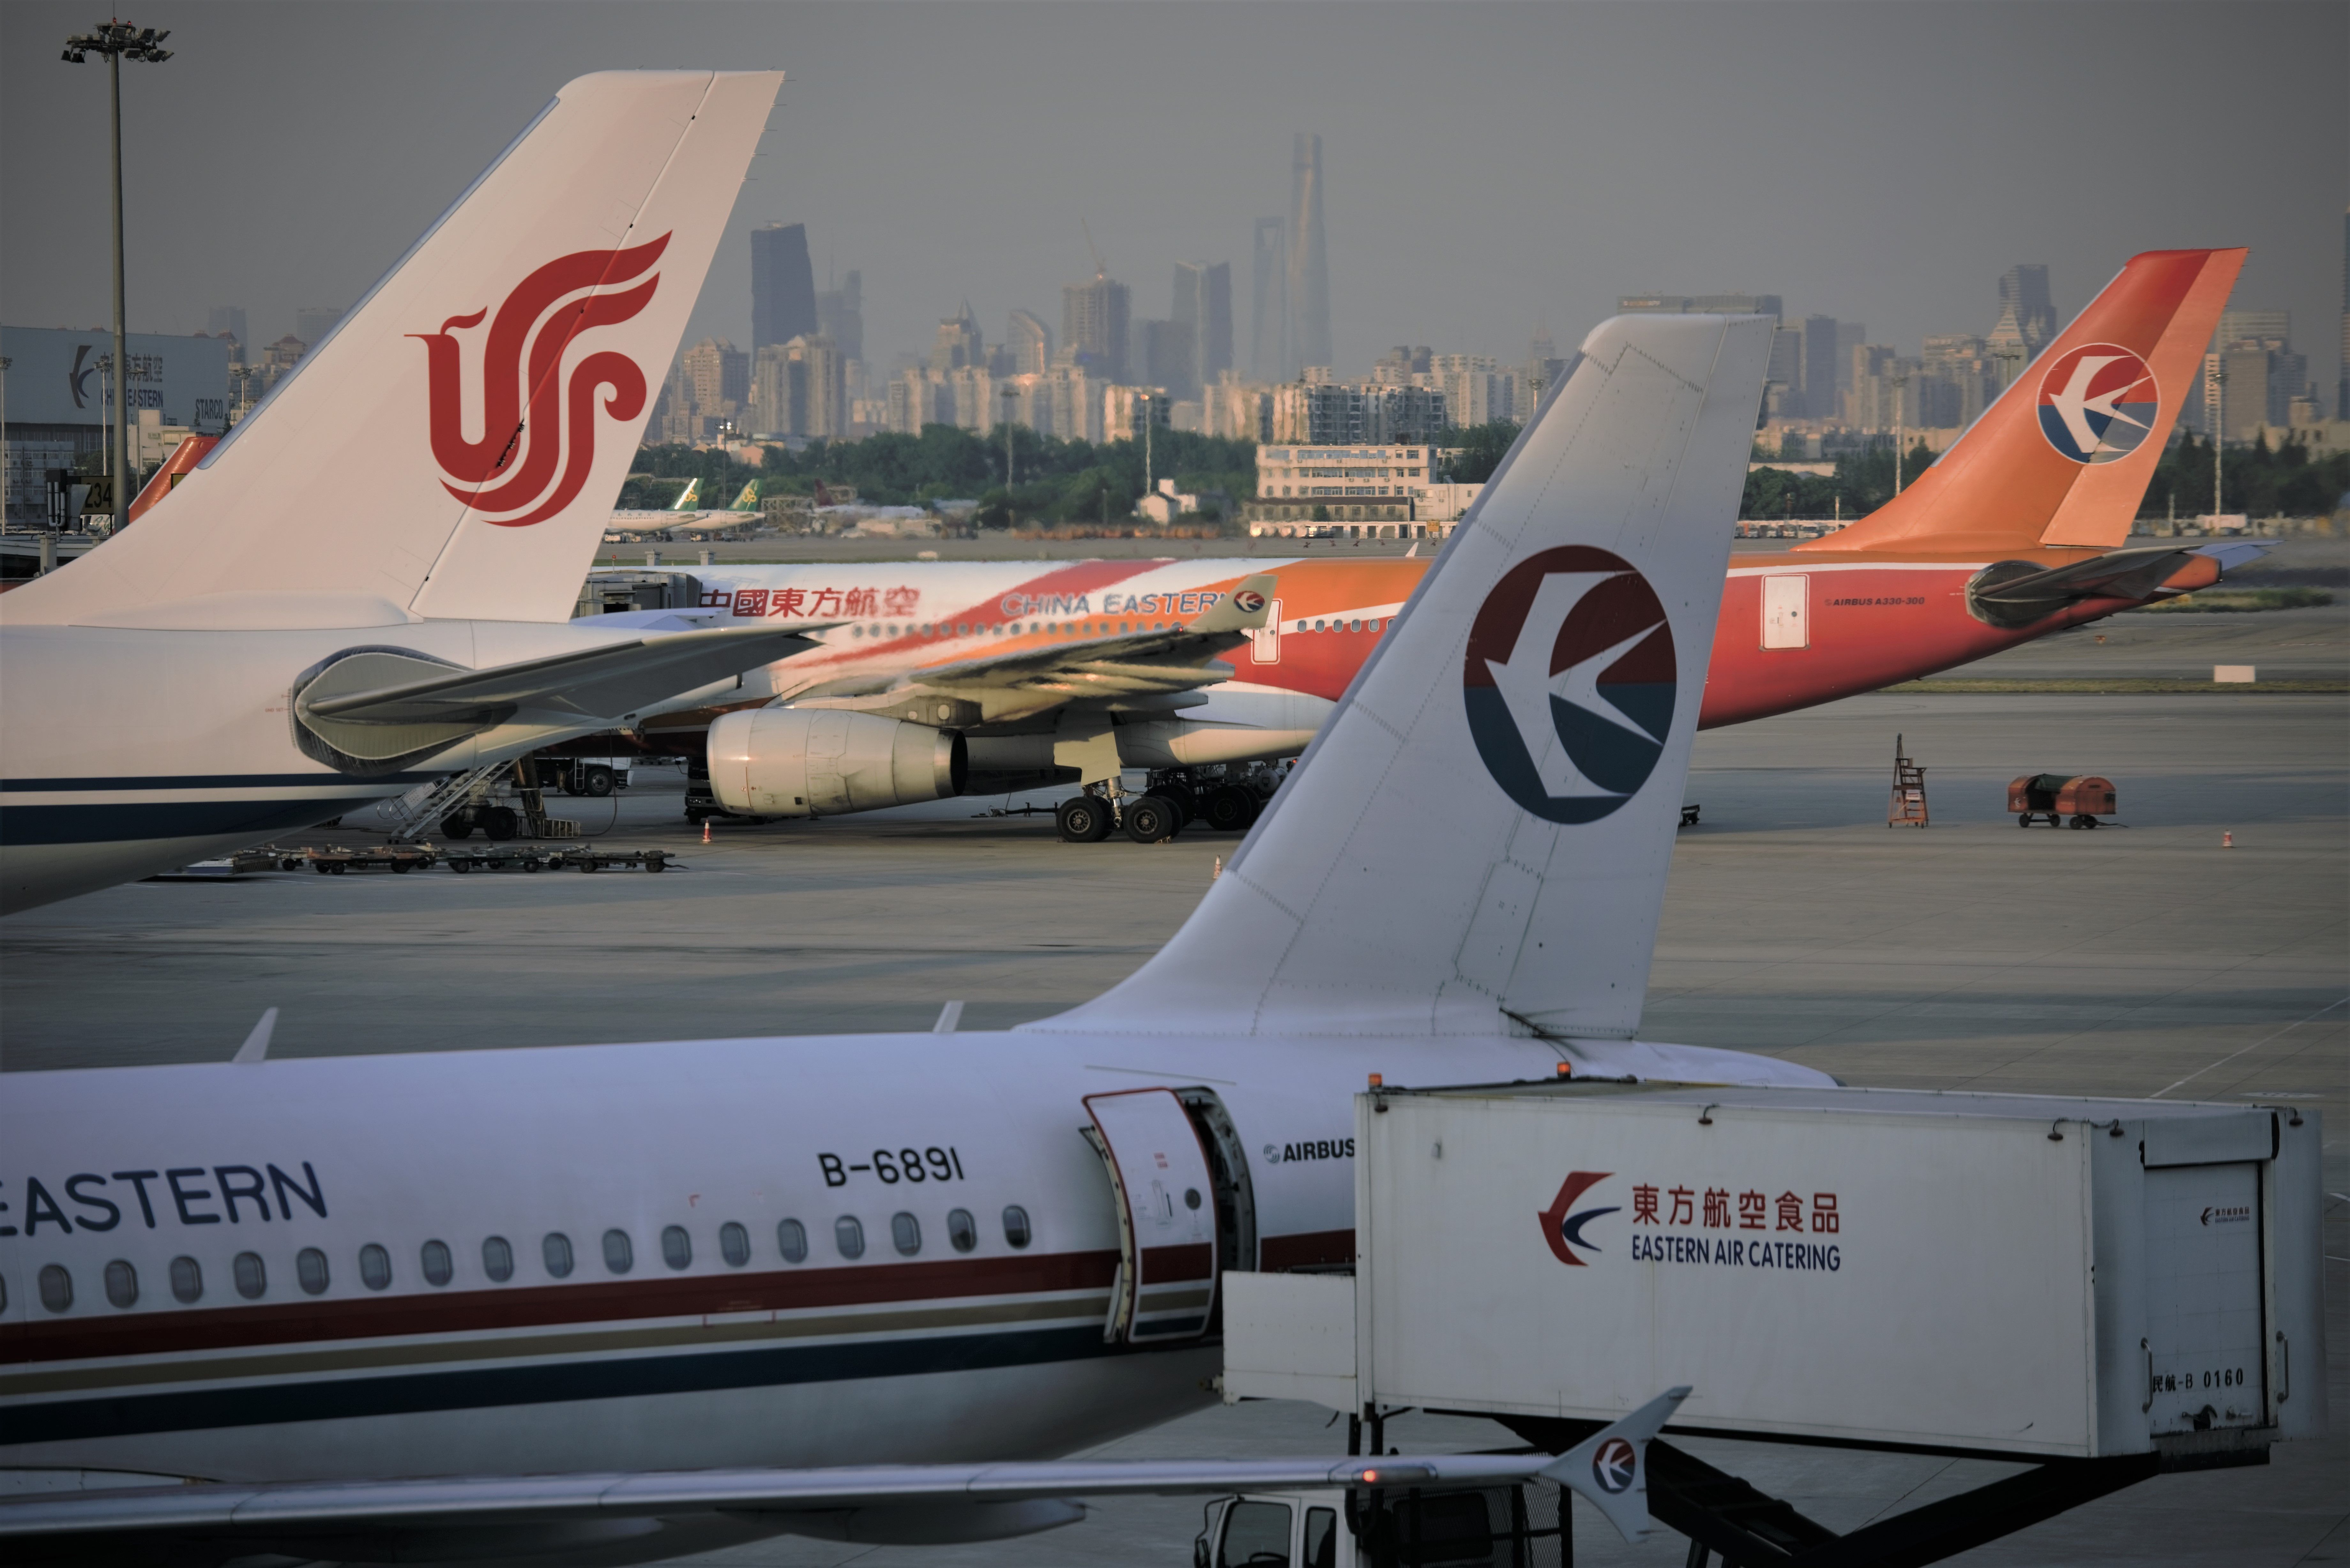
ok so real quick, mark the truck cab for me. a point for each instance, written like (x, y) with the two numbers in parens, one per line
(1484, 1527)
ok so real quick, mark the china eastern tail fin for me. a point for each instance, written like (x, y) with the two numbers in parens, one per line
(493, 388)
(1476, 843)
(2064, 457)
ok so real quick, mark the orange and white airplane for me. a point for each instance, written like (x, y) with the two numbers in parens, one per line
(978, 677)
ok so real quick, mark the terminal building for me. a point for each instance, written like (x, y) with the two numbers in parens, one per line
(59, 391)
(1356, 492)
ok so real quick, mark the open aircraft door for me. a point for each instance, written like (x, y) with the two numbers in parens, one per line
(1164, 1184)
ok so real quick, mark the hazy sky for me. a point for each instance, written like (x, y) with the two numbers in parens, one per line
(1487, 167)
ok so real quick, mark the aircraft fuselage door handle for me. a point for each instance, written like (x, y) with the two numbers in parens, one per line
(2149, 1378)
(2284, 1367)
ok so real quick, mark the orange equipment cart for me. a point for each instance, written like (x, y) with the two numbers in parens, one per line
(2075, 801)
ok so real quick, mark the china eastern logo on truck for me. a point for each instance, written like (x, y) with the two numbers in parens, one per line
(1683, 1222)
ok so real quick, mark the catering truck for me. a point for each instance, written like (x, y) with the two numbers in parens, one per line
(2108, 1289)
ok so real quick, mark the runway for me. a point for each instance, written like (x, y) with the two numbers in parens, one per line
(2140, 959)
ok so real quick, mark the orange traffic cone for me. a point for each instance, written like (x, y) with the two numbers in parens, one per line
(2227, 841)
(1219, 870)
(705, 830)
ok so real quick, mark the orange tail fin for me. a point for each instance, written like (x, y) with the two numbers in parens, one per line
(178, 466)
(2063, 458)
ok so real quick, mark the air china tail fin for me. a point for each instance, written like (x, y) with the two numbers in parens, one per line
(491, 389)
(2063, 458)
(1476, 844)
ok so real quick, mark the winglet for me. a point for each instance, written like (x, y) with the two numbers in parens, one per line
(256, 1044)
(1245, 608)
(1611, 1466)
(950, 1019)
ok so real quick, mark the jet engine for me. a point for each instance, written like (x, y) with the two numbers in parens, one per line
(824, 762)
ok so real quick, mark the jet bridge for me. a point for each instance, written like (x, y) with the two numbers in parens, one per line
(2110, 1290)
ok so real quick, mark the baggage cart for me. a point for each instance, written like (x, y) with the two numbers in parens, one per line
(2074, 799)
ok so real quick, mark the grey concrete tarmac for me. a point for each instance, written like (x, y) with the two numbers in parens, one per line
(2135, 959)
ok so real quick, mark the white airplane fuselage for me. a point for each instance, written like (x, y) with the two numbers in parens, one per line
(129, 751)
(283, 1366)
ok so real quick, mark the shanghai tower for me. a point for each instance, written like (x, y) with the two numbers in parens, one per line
(1309, 264)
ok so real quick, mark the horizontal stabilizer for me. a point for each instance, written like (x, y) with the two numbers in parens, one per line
(1610, 1467)
(52, 1526)
(375, 707)
(1245, 608)
(2017, 593)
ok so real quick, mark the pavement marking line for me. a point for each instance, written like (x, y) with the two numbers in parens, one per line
(2254, 1046)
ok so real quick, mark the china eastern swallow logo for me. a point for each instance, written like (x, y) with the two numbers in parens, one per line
(1247, 601)
(2097, 402)
(1616, 1465)
(1570, 682)
(1564, 1230)
(538, 430)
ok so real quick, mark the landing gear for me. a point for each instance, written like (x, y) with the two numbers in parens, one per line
(1152, 819)
(1084, 819)
(500, 823)
(458, 823)
(1229, 808)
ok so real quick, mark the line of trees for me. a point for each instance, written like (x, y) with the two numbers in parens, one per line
(2254, 478)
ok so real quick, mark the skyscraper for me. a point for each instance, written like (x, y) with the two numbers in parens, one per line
(230, 320)
(1819, 367)
(1031, 342)
(1094, 325)
(1309, 262)
(783, 285)
(1269, 301)
(957, 346)
(2341, 372)
(840, 315)
(1203, 304)
(313, 322)
(2024, 289)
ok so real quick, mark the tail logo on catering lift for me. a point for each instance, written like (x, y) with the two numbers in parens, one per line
(1562, 1229)
(539, 456)
(1570, 681)
(2098, 402)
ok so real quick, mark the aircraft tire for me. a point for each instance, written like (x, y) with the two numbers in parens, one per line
(499, 823)
(1083, 819)
(1153, 819)
(457, 824)
(1226, 809)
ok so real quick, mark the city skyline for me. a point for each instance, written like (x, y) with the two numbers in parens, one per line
(1459, 230)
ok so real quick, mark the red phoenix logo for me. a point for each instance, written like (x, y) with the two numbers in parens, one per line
(1563, 1223)
(504, 471)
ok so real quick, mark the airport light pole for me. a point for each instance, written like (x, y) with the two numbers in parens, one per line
(114, 40)
(2219, 431)
(1900, 412)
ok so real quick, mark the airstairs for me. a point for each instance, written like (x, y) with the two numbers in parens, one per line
(411, 815)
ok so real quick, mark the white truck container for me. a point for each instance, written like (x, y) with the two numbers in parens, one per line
(1985, 1273)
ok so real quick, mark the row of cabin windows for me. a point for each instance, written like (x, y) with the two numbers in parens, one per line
(1328, 625)
(250, 1275)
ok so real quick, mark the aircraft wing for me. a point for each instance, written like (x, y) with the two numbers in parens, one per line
(184, 1519)
(387, 687)
(1138, 664)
